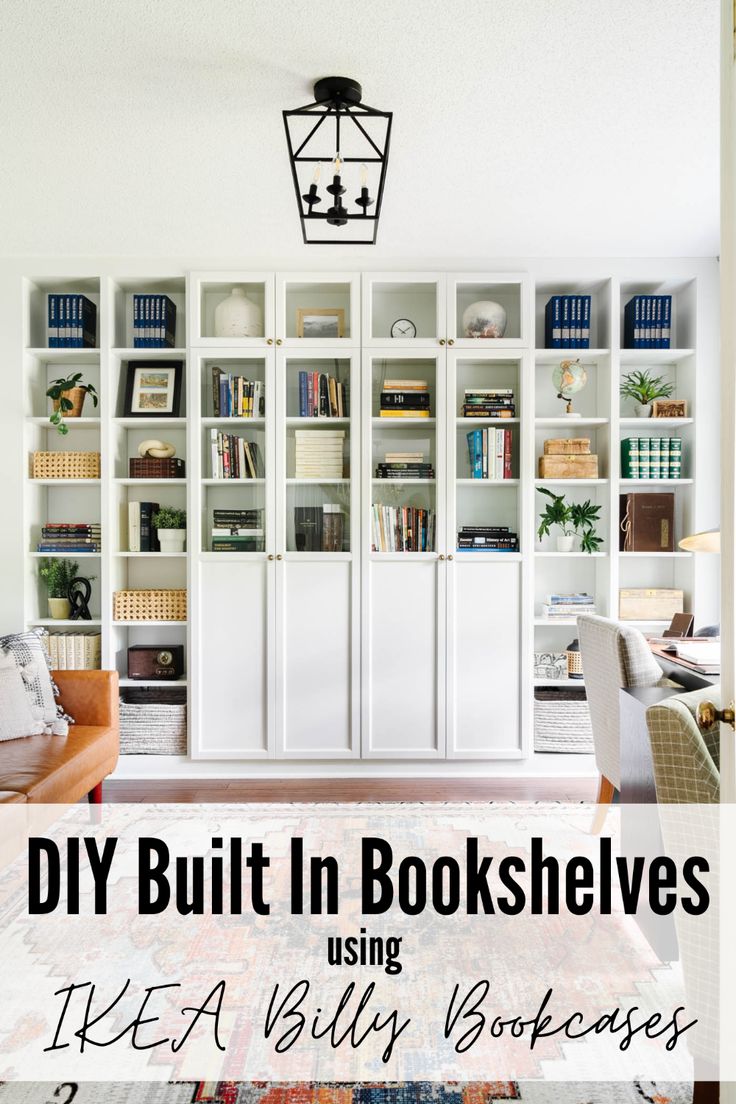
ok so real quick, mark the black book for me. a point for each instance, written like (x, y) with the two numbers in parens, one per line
(308, 528)
(149, 537)
(411, 400)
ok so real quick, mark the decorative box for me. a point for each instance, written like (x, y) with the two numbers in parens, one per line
(65, 465)
(148, 467)
(156, 661)
(550, 665)
(569, 467)
(149, 605)
(649, 604)
(567, 446)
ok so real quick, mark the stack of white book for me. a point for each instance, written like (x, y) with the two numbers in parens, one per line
(319, 453)
(74, 651)
(566, 607)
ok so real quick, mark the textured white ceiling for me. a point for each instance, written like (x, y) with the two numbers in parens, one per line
(521, 127)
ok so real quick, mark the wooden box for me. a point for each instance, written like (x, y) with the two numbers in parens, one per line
(567, 446)
(649, 603)
(151, 467)
(568, 467)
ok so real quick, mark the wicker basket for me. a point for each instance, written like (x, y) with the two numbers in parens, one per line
(65, 465)
(149, 605)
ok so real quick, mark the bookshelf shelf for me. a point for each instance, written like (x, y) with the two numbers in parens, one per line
(150, 423)
(652, 423)
(554, 356)
(53, 623)
(64, 482)
(322, 423)
(315, 481)
(150, 555)
(487, 482)
(562, 683)
(403, 423)
(569, 423)
(72, 423)
(656, 482)
(148, 354)
(468, 422)
(571, 482)
(126, 482)
(154, 683)
(239, 422)
(656, 555)
(65, 555)
(567, 555)
(209, 482)
(633, 357)
(65, 356)
(149, 624)
(418, 482)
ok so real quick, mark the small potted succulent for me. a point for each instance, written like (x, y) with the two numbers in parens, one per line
(644, 388)
(573, 519)
(171, 525)
(68, 395)
(58, 575)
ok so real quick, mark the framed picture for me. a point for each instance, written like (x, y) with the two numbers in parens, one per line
(153, 389)
(669, 408)
(320, 322)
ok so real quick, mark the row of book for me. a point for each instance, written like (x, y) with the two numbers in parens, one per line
(404, 398)
(319, 528)
(74, 651)
(404, 465)
(651, 458)
(402, 528)
(237, 530)
(234, 458)
(237, 397)
(72, 536)
(489, 402)
(72, 322)
(487, 538)
(142, 536)
(489, 451)
(648, 322)
(567, 322)
(319, 453)
(154, 322)
(322, 396)
(564, 607)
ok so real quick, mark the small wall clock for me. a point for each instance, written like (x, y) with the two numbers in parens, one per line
(403, 327)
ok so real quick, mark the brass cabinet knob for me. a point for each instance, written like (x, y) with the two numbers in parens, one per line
(708, 715)
(269, 341)
(271, 556)
(279, 341)
(451, 341)
(442, 341)
(279, 556)
(450, 556)
(440, 557)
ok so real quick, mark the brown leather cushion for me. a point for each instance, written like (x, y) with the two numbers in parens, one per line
(10, 796)
(58, 768)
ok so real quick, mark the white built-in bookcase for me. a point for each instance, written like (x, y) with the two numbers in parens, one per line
(339, 656)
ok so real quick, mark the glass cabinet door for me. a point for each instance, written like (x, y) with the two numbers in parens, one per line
(318, 311)
(487, 312)
(232, 309)
(403, 311)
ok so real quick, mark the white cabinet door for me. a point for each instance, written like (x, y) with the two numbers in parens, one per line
(234, 635)
(484, 627)
(317, 683)
(404, 664)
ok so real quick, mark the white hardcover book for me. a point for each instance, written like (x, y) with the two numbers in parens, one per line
(53, 644)
(79, 643)
(214, 454)
(63, 665)
(134, 527)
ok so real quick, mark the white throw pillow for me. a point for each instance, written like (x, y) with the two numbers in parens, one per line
(29, 655)
(16, 712)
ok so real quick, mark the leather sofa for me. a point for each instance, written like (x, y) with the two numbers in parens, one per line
(63, 769)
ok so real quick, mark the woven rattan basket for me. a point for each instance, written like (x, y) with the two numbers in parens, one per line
(66, 465)
(149, 605)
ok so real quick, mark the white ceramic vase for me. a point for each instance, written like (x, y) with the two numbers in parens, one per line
(643, 410)
(238, 316)
(484, 319)
(565, 543)
(172, 540)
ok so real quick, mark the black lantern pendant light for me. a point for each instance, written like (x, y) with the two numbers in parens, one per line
(344, 139)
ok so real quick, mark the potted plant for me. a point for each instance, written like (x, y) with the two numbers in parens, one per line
(68, 395)
(58, 575)
(573, 519)
(171, 525)
(644, 388)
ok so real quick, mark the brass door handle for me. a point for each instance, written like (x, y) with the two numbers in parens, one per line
(442, 341)
(708, 715)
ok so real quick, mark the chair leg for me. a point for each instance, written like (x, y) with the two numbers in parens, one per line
(95, 795)
(606, 792)
(706, 1092)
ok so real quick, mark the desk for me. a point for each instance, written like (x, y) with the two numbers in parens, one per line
(680, 671)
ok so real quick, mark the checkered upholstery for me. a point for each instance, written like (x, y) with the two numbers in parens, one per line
(686, 761)
(614, 656)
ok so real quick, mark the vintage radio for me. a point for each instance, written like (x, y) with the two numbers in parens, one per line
(156, 661)
(649, 603)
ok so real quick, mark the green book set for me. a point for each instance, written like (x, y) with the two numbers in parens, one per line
(651, 458)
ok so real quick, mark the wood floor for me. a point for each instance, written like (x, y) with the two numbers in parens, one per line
(353, 789)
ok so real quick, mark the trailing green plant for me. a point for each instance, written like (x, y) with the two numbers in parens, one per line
(572, 518)
(169, 517)
(57, 392)
(57, 575)
(644, 387)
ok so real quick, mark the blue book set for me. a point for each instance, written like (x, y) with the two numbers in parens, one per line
(72, 322)
(648, 322)
(154, 322)
(567, 322)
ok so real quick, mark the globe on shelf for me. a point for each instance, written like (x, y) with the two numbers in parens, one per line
(569, 377)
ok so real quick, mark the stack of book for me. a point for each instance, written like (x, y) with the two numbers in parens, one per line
(72, 322)
(319, 453)
(319, 528)
(651, 458)
(74, 651)
(489, 402)
(407, 398)
(154, 322)
(648, 322)
(321, 396)
(567, 322)
(402, 528)
(234, 458)
(404, 465)
(487, 538)
(237, 531)
(142, 536)
(566, 607)
(236, 397)
(489, 451)
(70, 536)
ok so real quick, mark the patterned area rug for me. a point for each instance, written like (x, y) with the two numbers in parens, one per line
(410, 1092)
